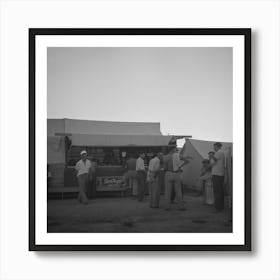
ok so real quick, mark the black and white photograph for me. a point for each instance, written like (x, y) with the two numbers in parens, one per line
(141, 141)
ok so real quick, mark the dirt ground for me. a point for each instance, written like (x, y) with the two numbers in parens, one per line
(125, 214)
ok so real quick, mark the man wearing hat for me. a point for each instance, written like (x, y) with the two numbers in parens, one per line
(83, 168)
(218, 175)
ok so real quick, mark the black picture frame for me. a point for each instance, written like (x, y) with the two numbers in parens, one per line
(246, 32)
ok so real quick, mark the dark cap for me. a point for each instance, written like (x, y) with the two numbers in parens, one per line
(218, 144)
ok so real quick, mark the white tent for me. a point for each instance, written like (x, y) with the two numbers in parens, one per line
(108, 134)
(198, 149)
(88, 127)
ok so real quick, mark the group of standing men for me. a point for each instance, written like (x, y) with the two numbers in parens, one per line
(171, 164)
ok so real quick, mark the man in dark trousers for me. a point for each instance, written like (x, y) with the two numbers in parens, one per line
(92, 179)
(141, 176)
(218, 175)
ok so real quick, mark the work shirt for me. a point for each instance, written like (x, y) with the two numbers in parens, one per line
(140, 164)
(83, 167)
(93, 166)
(154, 166)
(218, 167)
(168, 163)
(172, 162)
(176, 161)
(131, 164)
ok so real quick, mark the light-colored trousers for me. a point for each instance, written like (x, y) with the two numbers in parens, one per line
(154, 192)
(131, 177)
(173, 179)
(133, 183)
(209, 192)
(206, 187)
(83, 183)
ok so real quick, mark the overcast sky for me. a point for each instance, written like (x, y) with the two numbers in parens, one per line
(187, 90)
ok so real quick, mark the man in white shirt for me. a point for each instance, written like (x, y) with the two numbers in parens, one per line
(83, 168)
(218, 175)
(153, 181)
(141, 176)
